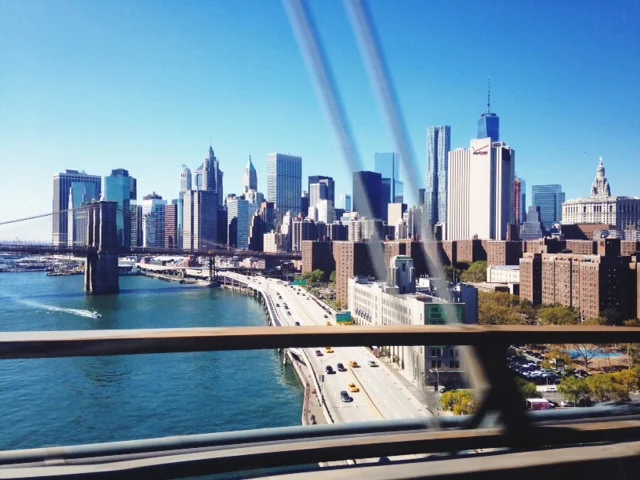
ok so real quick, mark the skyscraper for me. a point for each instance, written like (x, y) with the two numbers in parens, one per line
(240, 214)
(346, 202)
(61, 186)
(120, 187)
(185, 179)
(388, 165)
(531, 229)
(284, 183)
(328, 181)
(480, 191)
(209, 176)
(79, 194)
(438, 147)
(170, 225)
(200, 219)
(249, 178)
(153, 218)
(518, 198)
(489, 123)
(549, 198)
(367, 200)
(317, 191)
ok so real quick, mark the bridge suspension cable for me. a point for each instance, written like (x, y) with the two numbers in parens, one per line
(49, 214)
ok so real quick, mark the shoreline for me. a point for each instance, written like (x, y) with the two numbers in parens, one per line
(312, 409)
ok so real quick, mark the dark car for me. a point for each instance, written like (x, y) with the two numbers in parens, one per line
(297, 324)
(341, 368)
(329, 369)
(277, 304)
(326, 316)
(345, 397)
(319, 353)
(288, 312)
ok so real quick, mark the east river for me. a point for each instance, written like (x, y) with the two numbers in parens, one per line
(96, 399)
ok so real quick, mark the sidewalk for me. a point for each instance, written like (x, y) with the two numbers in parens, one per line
(428, 397)
(312, 412)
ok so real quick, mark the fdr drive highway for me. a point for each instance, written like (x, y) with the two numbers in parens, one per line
(379, 394)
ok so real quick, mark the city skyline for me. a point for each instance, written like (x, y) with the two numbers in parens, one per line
(53, 118)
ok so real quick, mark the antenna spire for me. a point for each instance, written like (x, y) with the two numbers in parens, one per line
(489, 96)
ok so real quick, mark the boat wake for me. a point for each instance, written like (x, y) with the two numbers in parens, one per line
(52, 308)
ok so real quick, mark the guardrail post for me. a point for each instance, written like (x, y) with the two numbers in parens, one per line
(503, 396)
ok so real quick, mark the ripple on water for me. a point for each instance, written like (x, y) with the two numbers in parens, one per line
(93, 399)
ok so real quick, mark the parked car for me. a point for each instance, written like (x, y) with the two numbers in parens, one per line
(566, 403)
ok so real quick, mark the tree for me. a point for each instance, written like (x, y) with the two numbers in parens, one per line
(477, 272)
(587, 352)
(627, 380)
(527, 389)
(574, 388)
(633, 349)
(527, 310)
(460, 402)
(611, 316)
(494, 314)
(603, 387)
(557, 315)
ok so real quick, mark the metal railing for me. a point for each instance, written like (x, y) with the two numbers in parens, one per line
(511, 430)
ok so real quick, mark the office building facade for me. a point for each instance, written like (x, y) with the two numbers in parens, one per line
(121, 188)
(62, 183)
(480, 193)
(388, 165)
(185, 179)
(400, 302)
(435, 197)
(153, 218)
(327, 182)
(200, 219)
(549, 199)
(284, 183)
(171, 225)
(519, 200)
(367, 200)
(532, 228)
(239, 215)
(345, 201)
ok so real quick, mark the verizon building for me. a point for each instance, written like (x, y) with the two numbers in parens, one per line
(480, 194)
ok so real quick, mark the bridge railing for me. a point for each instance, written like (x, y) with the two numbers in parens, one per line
(517, 431)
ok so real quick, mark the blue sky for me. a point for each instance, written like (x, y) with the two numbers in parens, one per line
(145, 85)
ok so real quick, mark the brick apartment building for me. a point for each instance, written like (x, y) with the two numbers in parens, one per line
(318, 256)
(351, 258)
(591, 283)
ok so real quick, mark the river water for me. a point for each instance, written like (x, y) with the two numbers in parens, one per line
(95, 399)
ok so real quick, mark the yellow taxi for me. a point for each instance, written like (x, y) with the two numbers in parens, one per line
(328, 349)
(353, 387)
(353, 364)
(328, 324)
